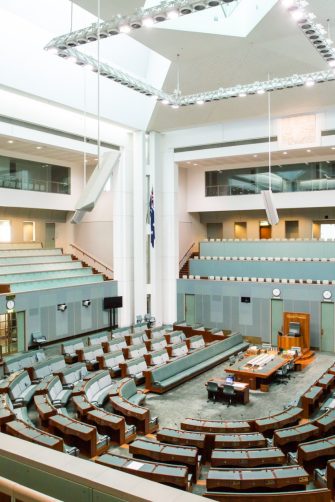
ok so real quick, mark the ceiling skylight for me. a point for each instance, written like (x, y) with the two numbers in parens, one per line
(235, 19)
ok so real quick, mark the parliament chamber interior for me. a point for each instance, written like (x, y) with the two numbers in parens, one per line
(167, 250)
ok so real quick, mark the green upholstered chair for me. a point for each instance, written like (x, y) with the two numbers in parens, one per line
(228, 393)
(212, 391)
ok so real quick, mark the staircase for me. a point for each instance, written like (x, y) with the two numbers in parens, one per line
(185, 269)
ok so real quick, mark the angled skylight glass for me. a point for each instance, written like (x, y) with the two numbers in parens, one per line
(236, 19)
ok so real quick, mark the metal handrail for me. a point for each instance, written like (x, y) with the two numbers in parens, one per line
(23, 493)
(95, 260)
(186, 256)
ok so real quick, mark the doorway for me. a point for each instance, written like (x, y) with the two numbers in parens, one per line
(28, 231)
(240, 230)
(50, 235)
(276, 319)
(12, 329)
(265, 230)
(190, 309)
(327, 326)
(214, 230)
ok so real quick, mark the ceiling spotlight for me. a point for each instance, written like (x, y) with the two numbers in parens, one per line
(308, 151)
(260, 91)
(148, 22)
(62, 307)
(81, 38)
(288, 3)
(200, 102)
(199, 6)
(284, 153)
(159, 18)
(86, 303)
(213, 3)
(52, 50)
(297, 14)
(92, 36)
(309, 82)
(242, 94)
(175, 106)
(185, 10)
(173, 14)
(10, 141)
(38, 148)
(89, 67)
(112, 29)
(125, 28)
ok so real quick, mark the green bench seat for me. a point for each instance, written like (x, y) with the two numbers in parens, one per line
(165, 377)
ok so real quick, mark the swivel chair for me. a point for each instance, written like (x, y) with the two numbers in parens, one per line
(228, 393)
(212, 391)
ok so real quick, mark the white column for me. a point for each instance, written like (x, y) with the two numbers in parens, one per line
(122, 187)
(140, 205)
(165, 256)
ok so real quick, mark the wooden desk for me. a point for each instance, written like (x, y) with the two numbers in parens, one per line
(317, 495)
(240, 441)
(267, 425)
(331, 477)
(316, 453)
(161, 473)
(326, 423)
(44, 408)
(326, 382)
(247, 458)
(276, 478)
(153, 450)
(136, 415)
(112, 425)
(42, 386)
(215, 426)
(21, 430)
(241, 389)
(83, 406)
(179, 437)
(6, 414)
(310, 400)
(289, 439)
(4, 386)
(252, 371)
(76, 433)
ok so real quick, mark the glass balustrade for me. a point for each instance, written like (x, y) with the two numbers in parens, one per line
(306, 177)
(22, 174)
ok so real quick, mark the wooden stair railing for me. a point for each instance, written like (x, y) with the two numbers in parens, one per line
(89, 260)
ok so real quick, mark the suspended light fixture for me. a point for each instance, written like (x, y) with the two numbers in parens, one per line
(65, 47)
(270, 208)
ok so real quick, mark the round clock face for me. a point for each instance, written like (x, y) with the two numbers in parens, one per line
(276, 292)
(10, 304)
(326, 295)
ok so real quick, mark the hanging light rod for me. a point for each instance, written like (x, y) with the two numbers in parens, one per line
(142, 18)
(64, 46)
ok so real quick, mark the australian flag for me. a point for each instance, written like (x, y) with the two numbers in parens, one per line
(152, 218)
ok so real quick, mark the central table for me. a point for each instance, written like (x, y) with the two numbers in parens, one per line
(258, 371)
(241, 389)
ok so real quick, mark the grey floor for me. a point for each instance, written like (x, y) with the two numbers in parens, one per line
(190, 398)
